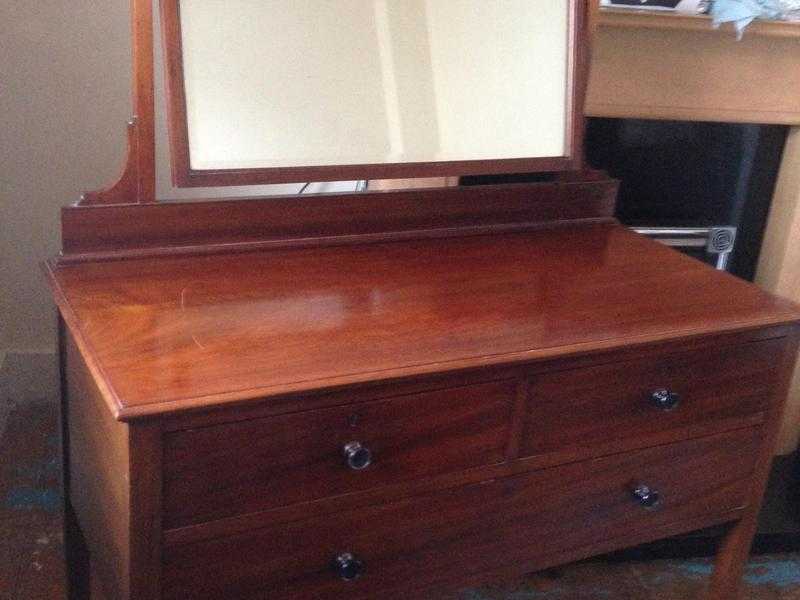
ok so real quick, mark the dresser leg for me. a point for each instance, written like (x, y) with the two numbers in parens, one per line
(77, 559)
(734, 550)
(726, 582)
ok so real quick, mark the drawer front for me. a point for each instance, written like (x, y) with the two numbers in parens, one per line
(237, 468)
(717, 388)
(455, 536)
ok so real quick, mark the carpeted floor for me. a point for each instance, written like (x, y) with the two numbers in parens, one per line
(31, 566)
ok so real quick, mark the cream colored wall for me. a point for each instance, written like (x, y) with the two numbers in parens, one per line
(779, 264)
(64, 100)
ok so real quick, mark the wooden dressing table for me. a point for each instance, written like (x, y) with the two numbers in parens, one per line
(395, 394)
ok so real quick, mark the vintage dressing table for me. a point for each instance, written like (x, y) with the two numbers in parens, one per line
(390, 394)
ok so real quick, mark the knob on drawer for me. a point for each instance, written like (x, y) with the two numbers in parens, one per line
(348, 567)
(664, 399)
(357, 456)
(647, 497)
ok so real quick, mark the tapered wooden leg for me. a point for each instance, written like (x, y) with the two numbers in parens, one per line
(726, 582)
(76, 553)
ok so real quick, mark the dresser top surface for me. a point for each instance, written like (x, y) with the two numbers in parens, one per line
(165, 334)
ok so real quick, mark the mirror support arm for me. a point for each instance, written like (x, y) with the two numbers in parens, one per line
(137, 183)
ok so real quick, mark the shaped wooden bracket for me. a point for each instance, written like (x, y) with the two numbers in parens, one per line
(126, 188)
(136, 185)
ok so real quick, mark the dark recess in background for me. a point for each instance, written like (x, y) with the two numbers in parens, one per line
(692, 174)
(685, 174)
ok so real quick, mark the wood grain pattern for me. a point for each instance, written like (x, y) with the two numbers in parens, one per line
(99, 490)
(114, 490)
(466, 329)
(292, 403)
(735, 547)
(205, 330)
(414, 546)
(298, 458)
(653, 73)
(625, 439)
(320, 219)
(184, 176)
(590, 406)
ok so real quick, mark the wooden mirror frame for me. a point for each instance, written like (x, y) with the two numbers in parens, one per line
(184, 175)
(137, 184)
(125, 219)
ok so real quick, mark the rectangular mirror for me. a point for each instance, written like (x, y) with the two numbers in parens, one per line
(276, 91)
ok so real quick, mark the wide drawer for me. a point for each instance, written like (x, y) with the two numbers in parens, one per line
(242, 467)
(526, 521)
(716, 389)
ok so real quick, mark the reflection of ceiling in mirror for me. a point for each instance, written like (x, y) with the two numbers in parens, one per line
(308, 82)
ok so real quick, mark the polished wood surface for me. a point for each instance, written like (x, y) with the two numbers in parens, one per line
(169, 334)
(324, 219)
(491, 345)
(499, 379)
(184, 176)
(588, 407)
(735, 547)
(298, 458)
(208, 446)
(411, 547)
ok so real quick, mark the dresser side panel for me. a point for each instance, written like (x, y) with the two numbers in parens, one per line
(99, 476)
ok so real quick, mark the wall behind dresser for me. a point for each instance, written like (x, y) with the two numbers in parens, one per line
(64, 100)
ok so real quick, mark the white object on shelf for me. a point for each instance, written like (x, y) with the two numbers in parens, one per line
(685, 6)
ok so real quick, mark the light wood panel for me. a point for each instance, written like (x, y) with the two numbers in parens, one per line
(695, 73)
(779, 266)
(410, 184)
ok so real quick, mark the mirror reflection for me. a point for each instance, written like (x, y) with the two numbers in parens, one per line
(280, 83)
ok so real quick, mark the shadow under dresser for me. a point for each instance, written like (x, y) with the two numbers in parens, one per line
(394, 419)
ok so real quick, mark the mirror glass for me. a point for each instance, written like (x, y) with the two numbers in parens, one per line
(286, 83)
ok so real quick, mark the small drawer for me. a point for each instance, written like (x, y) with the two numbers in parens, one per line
(689, 393)
(243, 467)
(524, 522)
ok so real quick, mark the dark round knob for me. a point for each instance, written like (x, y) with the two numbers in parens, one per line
(647, 496)
(664, 399)
(357, 456)
(348, 567)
